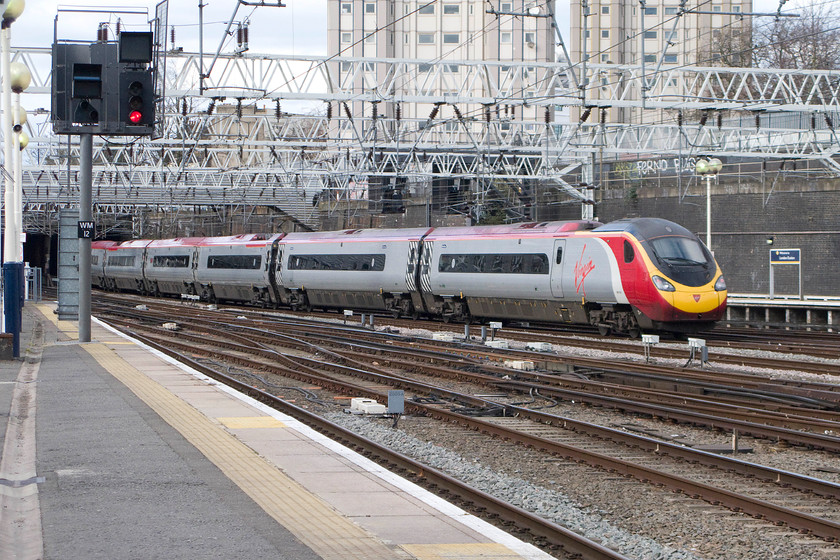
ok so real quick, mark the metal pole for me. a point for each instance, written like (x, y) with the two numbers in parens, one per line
(18, 183)
(85, 215)
(709, 212)
(9, 245)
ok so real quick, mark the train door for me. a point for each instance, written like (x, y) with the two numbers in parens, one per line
(557, 268)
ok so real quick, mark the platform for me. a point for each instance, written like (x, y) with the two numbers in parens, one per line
(112, 450)
(788, 312)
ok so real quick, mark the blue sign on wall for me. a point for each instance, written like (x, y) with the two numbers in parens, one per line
(785, 256)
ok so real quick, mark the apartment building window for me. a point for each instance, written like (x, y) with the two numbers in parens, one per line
(588, 31)
(650, 58)
(346, 66)
(736, 8)
(650, 34)
(716, 8)
(451, 38)
(530, 37)
(451, 9)
(370, 8)
(505, 7)
(670, 59)
(346, 8)
(505, 37)
(424, 67)
(369, 67)
(426, 38)
(605, 10)
(605, 57)
(426, 10)
(650, 11)
(346, 37)
(452, 68)
(605, 34)
(370, 39)
(671, 10)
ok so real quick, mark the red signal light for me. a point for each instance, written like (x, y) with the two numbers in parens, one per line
(135, 116)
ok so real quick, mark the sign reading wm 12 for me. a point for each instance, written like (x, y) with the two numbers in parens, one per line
(86, 229)
(785, 256)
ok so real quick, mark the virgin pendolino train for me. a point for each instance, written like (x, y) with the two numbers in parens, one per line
(627, 276)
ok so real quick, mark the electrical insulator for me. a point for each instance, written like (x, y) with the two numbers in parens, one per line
(829, 122)
(239, 108)
(172, 35)
(399, 112)
(434, 112)
(184, 107)
(603, 116)
(703, 118)
(457, 112)
(487, 113)
(246, 35)
(547, 115)
(813, 122)
(211, 106)
(757, 122)
(375, 111)
(329, 111)
(719, 121)
(347, 111)
(277, 112)
(679, 119)
(586, 114)
(239, 36)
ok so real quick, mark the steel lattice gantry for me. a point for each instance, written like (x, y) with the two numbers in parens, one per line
(273, 130)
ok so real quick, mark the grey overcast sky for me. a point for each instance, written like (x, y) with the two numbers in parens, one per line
(298, 28)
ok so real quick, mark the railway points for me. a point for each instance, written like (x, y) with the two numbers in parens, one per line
(138, 458)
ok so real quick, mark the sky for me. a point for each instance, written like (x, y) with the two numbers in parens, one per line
(299, 28)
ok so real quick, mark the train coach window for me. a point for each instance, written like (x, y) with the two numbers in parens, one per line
(121, 260)
(629, 252)
(171, 261)
(239, 262)
(513, 263)
(365, 263)
(559, 255)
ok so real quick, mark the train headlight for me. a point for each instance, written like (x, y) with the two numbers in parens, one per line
(662, 284)
(720, 285)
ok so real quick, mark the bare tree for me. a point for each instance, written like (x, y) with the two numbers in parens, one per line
(809, 42)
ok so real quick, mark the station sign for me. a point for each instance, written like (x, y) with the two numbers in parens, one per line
(785, 256)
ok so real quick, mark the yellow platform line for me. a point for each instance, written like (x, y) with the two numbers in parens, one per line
(309, 518)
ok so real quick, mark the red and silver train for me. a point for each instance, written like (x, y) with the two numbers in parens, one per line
(627, 276)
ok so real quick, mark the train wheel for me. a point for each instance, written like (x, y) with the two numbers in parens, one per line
(603, 330)
(634, 332)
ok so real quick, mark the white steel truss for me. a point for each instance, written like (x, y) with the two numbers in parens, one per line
(233, 143)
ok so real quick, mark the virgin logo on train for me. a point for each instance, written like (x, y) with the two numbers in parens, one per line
(582, 270)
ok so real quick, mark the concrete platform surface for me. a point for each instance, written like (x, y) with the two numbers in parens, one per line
(112, 450)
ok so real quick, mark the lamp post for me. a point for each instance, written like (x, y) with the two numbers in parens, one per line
(708, 168)
(21, 78)
(12, 268)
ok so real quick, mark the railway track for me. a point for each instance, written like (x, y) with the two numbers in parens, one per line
(353, 371)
